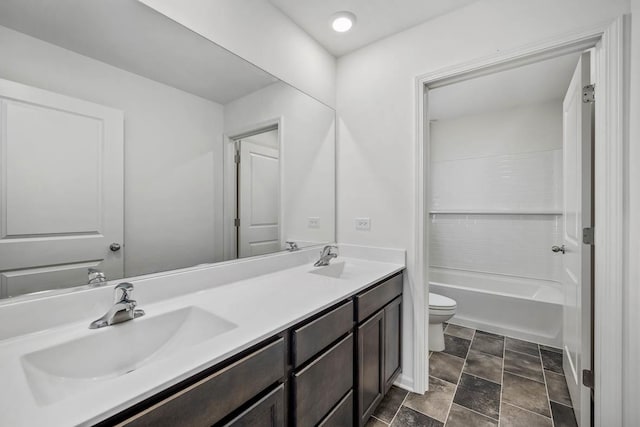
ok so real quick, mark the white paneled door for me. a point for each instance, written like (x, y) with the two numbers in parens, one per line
(576, 254)
(61, 190)
(259, 196)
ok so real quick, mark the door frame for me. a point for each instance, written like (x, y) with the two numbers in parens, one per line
(609, 184)
(229, 203)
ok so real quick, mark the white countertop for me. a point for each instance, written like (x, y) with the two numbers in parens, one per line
(261, 307)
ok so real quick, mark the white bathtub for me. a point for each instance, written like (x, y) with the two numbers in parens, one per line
(527, 309)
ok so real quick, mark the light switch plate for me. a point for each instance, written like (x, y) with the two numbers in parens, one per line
(313, 222)
(363, 224)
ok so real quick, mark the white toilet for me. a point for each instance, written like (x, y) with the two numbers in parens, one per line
(441, 309)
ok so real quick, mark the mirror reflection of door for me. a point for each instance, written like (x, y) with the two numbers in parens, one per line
(258, 198)
(61, 193)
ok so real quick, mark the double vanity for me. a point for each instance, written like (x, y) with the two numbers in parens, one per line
(269, 341)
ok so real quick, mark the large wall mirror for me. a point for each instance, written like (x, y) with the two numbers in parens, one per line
(132, 145)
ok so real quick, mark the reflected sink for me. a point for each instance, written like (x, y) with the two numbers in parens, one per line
(58, 372)
(337, 270)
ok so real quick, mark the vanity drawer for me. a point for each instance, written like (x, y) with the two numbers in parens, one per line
(267, 412)
(342, 414)
(311, 338)
(374, 299)
(322, 384)
(216, 396)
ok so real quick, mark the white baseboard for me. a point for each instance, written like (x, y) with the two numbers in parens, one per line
(404, 382)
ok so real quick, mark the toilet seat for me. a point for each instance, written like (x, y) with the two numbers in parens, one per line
(440, 302)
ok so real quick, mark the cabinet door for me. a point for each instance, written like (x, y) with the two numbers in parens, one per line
(267, 412)
(392, 341)
(370, 365)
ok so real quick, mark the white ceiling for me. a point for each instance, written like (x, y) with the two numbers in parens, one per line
(131, 36)
(376, 19)
(529, 84)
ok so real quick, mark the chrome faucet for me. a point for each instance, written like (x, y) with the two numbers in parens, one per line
(123, 309)
(326, 256)
(96, 277)
(292, 246)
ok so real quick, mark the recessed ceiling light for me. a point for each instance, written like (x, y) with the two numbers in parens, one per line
(342, 22)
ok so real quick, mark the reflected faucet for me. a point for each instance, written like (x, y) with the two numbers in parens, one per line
(123, 310)
(326, 256)
(96, 277)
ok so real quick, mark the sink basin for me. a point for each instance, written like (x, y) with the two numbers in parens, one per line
(337, 270)
(63, 370)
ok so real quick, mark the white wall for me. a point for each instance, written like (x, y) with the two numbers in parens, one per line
(258, 32)
(376, 107)
(507, 161)
(307, 155)
(170, 142)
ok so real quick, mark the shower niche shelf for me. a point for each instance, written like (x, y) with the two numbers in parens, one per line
(494, 212)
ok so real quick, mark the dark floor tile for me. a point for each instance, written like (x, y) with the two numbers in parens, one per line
(436, 402)
(548, 348)
(563, 416)
(521, 346)
(460, 331)
(488, 343)
(557, 387)
(484, 365)
(490, 334)
(524, 365)
(456, 346)
(525, 393)
(409, 418)
(512, 416)
(375, 423)
(387, 409)
(481, 395)
(459, 416)
(445, 366)
(552, 361)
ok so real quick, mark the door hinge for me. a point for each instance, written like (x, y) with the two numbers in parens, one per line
(588, 236)
(587, 378)
(589, 94)
(236, 158)
(236, 222)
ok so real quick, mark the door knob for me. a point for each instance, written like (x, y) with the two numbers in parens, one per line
(115, 247)
(558, 249)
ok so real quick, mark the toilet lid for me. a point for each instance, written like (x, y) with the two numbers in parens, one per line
(440, 301)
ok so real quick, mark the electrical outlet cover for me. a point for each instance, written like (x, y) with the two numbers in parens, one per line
(313, 222)
(363, 224)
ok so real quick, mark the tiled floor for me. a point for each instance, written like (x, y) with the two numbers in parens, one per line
(484, 380)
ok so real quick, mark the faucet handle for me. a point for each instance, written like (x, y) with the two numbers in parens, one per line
(291, 246)
(123, 292)
(96, 277)
(326, 251)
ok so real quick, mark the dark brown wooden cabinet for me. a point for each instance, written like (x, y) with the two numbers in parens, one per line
(392, 342)
(370, 364)
(212, 398)
(329, 370)
(266, 412)
(319, 386)
(378, 343)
